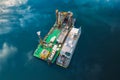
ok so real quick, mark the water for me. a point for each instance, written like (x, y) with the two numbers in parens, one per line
(96, 55)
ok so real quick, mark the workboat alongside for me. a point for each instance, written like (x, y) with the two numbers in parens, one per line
(60, 42)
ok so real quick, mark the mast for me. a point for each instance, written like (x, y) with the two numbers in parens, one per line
(57, 16)
(38, 33)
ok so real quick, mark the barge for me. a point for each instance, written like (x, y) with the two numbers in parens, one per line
(59, 44)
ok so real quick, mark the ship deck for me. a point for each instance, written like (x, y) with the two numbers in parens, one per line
(40, 47)
(55, 32)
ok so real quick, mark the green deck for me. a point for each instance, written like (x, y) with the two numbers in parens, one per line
(39, 49)
(56, 32)
(55, 57)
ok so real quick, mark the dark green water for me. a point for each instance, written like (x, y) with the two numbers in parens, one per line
(96, 55)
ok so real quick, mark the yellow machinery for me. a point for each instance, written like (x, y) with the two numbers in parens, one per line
(44, 54)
